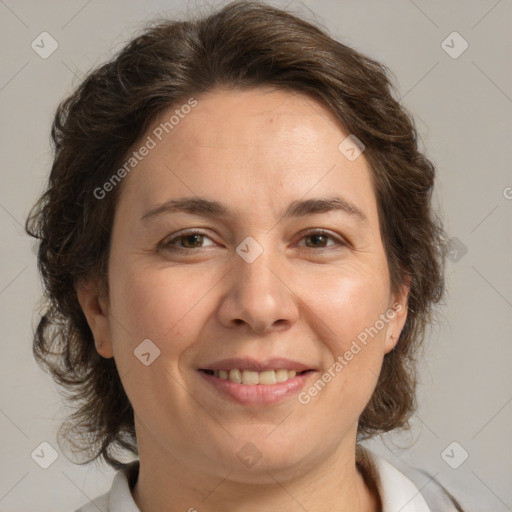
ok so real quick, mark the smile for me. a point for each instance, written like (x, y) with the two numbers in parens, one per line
(252, 378)
(256, 388)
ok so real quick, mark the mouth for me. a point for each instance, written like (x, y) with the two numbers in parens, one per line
(254, 378)
(252, 382)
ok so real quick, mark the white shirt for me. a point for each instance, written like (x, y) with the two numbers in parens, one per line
(398, 494)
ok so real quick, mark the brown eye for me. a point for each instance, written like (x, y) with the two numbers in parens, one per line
(319, 240)
(186, 241)
(191, 240)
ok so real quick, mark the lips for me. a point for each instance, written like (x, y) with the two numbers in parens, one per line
(257, 381)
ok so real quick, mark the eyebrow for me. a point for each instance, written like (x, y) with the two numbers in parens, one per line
(299, 208)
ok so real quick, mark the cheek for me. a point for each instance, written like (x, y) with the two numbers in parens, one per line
(347, 300)
(348, 307)
(159, 304)
(165, 307)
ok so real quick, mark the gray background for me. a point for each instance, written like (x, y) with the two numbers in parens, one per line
(463, 110)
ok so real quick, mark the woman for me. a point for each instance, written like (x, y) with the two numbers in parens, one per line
(241, 259)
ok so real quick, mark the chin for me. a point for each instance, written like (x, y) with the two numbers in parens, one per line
(254, 458)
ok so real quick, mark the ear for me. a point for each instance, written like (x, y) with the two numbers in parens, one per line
(96, 313)
(397, 315)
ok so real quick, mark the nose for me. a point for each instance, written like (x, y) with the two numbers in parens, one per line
(259, 295)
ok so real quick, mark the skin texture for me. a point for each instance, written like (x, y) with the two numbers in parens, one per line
(303, 298)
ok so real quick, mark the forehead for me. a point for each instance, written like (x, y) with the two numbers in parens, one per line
(262, 145)
(239, 123)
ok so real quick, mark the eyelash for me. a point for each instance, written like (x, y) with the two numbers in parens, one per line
(168, 245)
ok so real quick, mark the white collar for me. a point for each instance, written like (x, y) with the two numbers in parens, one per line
(397, 492)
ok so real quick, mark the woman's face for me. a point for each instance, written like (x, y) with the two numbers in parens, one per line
(274, 264)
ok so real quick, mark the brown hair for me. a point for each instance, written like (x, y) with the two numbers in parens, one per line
(244, 44)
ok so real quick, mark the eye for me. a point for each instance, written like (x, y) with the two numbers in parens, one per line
(319, 239)
(189, 241)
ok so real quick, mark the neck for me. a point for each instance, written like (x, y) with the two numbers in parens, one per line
(339, 483)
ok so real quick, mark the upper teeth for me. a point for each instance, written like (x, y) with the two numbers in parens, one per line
(251, 377)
